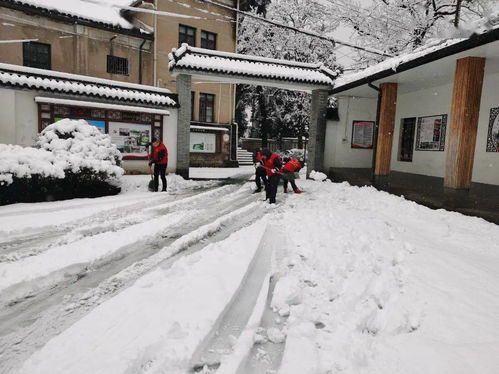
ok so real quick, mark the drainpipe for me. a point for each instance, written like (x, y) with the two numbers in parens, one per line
(376, 126)
(155, 56)
(140, 60)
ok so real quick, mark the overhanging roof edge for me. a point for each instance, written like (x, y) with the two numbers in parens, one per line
(476, 40)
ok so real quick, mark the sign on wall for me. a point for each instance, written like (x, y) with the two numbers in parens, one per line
(362, 134)
(203, 142)
(430, 134)
(130, 138)
(493, 134)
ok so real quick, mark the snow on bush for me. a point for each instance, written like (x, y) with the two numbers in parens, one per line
(82, 147)
(318, 176)
(22, 162)
(73, 159)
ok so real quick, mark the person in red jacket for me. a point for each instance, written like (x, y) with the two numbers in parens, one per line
(159, 157)
(289, 170)
(272, 164)
(260, 174)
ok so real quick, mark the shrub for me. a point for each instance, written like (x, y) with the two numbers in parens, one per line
(73, 160)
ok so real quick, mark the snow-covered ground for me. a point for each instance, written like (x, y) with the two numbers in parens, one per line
(209, 277)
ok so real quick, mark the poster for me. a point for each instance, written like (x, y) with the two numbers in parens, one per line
(493, 133)
(430, 135)
(130, 138)
(203, 142)
(101, 125)
(362, 134)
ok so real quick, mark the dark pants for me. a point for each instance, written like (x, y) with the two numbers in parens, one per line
(261, 176)
(293, 184)
(272, 187)
(159, 169)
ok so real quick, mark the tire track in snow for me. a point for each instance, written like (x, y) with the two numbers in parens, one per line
(110, 221)
(71, 303)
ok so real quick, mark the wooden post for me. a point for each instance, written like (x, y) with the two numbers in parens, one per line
(385, 128)
(464, 122)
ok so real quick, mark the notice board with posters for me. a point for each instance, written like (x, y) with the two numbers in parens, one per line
(362, 134)
(493, 133)
(130, 138)
(203, 142)
(430, 133)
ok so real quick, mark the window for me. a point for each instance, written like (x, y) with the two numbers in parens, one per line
(187, 35)
(36, 55)
(206, 107)
(208, 40)
(117, 65)
(406, 148)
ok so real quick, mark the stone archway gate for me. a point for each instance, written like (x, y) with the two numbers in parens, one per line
(224, 67)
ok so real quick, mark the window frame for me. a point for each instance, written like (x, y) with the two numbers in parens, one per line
(193, 36)
(203, 100)
(116, 62)
(30, 62)
(209, 33)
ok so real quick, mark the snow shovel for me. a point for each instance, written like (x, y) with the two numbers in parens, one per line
(150, 187)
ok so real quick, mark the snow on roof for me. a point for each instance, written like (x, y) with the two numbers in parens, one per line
(54, 81)
(478, 34)
(206, 60)
(393, 62)
(97, 12)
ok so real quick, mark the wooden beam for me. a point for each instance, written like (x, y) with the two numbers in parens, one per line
(462, 132)
(386, 126)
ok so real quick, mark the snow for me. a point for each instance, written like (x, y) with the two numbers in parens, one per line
(22, 162)
(167, 313)
(318, 176)
(99, 12)
(244, 172)
(367, 282)
(67, 145)
(393, 63)
(93, 104)
(81, 84)
(387, 286)
(232, 63)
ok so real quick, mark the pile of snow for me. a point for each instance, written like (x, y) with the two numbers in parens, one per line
(378, 284)
(65, 146)
(318, 176)
(23, 162)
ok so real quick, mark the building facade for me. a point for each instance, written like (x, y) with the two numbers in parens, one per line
(427, 129)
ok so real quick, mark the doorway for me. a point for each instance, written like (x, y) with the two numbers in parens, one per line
(407, 131)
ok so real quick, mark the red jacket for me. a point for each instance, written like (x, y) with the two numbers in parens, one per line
(273, 162)
(160, 155)
(292, 165)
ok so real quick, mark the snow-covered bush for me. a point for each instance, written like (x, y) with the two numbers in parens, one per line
(83, 148)
(73, 160)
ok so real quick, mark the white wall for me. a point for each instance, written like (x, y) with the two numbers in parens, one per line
(19, 117)
(338, 151)
(486, 166)
(426, 102)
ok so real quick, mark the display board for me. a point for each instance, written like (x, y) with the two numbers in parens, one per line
(203, 142)
(493, 133)
(430, 134)
(362, 134)
(130, 138)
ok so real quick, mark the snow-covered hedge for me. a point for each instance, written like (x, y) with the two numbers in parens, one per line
(74, 159)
